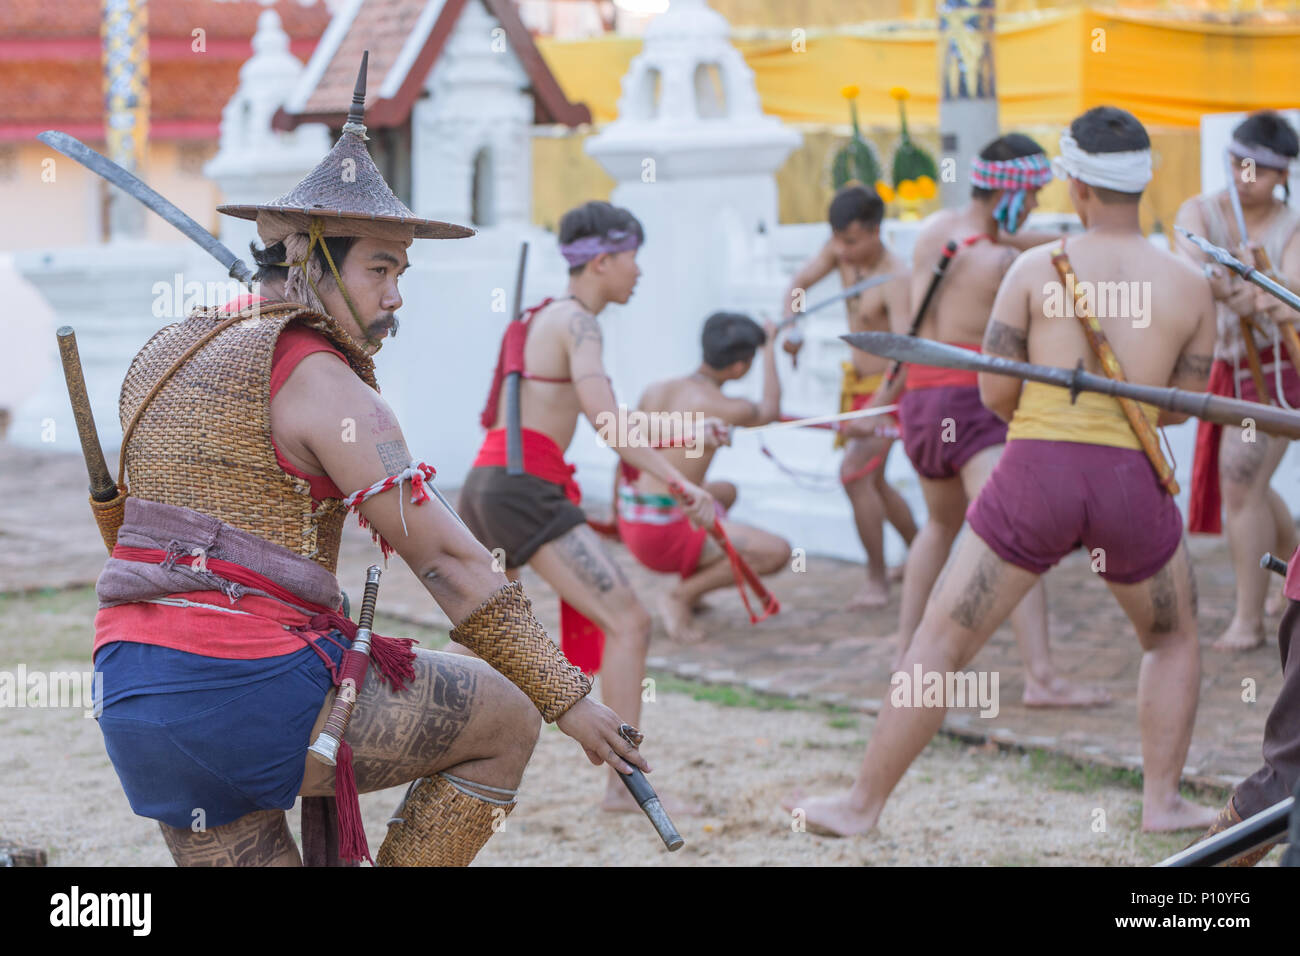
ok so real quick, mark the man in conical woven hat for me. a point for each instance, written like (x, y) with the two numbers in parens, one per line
(251, 431)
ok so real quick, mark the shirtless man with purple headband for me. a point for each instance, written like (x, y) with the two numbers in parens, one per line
(534, 519)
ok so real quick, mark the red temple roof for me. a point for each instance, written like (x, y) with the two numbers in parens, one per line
(51, 72)
(385, 28)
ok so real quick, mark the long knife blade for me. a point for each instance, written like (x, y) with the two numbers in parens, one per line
(130, 184)
(846, 293)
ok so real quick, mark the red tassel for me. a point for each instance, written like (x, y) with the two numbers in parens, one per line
(394, 659)
(352, 835)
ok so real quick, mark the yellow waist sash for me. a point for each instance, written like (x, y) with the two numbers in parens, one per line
(1045, 413)
(852, 386)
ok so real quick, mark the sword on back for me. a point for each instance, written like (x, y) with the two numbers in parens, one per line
(107, 499)
(514, 426)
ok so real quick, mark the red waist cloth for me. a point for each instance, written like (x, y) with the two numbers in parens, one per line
(1205, 500)
(930, 376)
(582, 642)
(316, 620)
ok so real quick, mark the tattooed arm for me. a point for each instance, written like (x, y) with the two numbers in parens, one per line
(343, 429)
(1007, 335)
(1192, 367)
(596, 398)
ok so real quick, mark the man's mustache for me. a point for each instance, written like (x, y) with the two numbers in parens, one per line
(388, 323)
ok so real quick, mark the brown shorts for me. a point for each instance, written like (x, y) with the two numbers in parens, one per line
(515, 513)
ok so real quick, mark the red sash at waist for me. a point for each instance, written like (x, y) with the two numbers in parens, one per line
(930, 376)
(542, 459)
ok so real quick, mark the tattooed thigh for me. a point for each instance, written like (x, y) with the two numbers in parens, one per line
(976, 599)
(257, 839)
(1241, 460)
(584, 554)
(397, 737)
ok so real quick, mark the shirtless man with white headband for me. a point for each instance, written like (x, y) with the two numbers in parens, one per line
(1054, 487)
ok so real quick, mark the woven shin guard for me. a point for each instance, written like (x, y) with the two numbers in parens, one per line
(505, 633)
(1229, 817)
(439, 824)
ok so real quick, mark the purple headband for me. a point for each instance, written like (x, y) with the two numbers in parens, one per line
(588, 247)
(1260, 154)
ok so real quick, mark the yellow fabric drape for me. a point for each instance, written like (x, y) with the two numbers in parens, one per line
(1050, 67)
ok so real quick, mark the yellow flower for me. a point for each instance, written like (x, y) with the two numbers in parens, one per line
(849, 92)
(926, 187)
(908, 190)
(883, 191)
(898, 92)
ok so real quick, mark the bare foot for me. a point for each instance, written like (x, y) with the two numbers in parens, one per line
(1063, 693)
(677, 617)
(872, 595)
(619, 800)
(1239, 637)
(896, 573)
(1180, 815)
(829, 816)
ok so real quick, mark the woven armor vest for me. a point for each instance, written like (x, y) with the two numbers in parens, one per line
(204, 442)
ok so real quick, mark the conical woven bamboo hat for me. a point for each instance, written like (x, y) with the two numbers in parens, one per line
(346, 193)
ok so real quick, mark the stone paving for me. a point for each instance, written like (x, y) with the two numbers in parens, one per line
(812, 649)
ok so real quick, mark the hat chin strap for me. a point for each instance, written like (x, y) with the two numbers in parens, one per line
(316, 235)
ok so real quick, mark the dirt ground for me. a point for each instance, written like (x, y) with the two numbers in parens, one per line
(733, 752)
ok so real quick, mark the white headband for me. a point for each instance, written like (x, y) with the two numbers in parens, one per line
(1123, 172)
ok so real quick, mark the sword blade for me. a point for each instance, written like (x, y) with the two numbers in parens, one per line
(1264, 827)
(1234, 198)
(130, 184)
(869, 283)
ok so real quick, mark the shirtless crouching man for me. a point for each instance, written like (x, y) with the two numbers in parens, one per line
(1055, 486)
(534, 518)
(650, 521)
(857, 252)
(953, 441)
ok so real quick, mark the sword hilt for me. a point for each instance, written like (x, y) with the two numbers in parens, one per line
(356, 660)
(650, 805)
(1270, 562)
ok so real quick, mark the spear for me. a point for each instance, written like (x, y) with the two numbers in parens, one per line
(1225, 258)
(1213, 408)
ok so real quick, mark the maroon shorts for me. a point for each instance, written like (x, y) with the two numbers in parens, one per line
(1045, 498)
(944, 427)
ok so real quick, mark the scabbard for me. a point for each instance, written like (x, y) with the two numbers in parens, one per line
(936, 277)
(514, 424)
(1140, 424)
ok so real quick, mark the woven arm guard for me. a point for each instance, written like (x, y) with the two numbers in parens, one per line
(505, 633)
